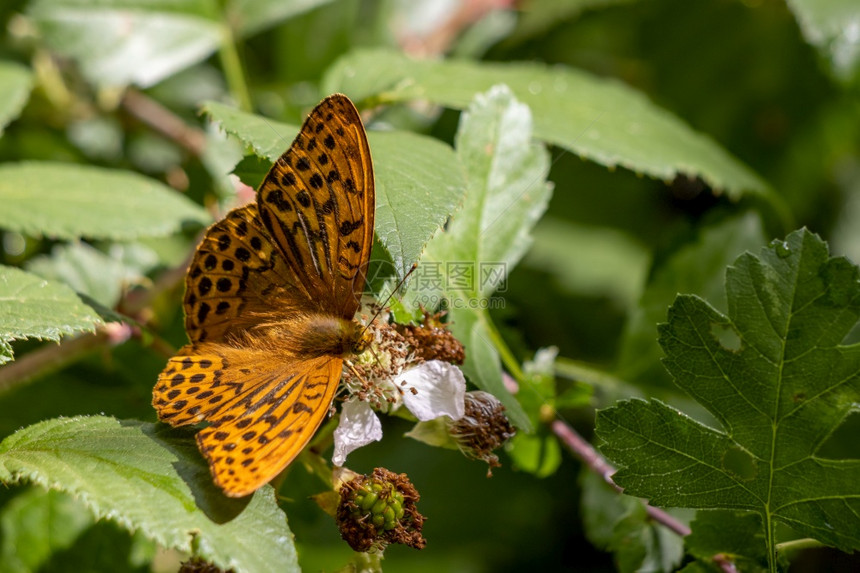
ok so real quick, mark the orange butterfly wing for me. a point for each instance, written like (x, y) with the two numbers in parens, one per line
(256, 278)
(261, 413)
(318, 202)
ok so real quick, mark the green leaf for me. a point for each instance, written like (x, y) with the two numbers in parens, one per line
(737, 535)
(831, 26)
(599, 119)
(507, 193)
(119, 42)
(68, 201)
(37, 524)
(15, 84)
(696, 267)
(774, 375)
(84, 268)
(418, 184)
(31, 307)
(537, 454)
(620, 524)
(111, 465)
(256, 15)
(418, 179)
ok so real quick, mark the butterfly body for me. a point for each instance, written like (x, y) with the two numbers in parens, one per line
(271, 295)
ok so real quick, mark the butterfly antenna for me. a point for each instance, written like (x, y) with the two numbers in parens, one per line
(396, 288)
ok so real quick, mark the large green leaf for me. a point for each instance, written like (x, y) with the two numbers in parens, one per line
(418, 179)
(68, 201)
(773, 373)
(737, 535)
(15, 84)
(831, 26)
(31, 307)
(596, 118)
(142, 42)
(119, 42)
(507, 194)
(112, 466)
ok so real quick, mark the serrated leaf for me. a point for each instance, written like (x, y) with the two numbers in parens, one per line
(67, 201)
(37, 524)
(696, 267)
(507, 193)
(31, 307)
(774, 374)
(119, 42)
(418, 179)
(831, 26)
(111, 465)
(15, 84)
(737, 535)
(599, 119)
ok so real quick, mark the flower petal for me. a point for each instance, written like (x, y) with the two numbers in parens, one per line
(358, 427)
(433, 389)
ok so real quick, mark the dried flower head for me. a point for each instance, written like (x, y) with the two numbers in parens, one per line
(198, 565)
(378, 510)
(431, 340)
(482, 429)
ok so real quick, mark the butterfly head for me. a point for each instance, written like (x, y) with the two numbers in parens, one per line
(362, 342)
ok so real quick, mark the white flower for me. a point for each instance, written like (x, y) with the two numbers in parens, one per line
(433, 389)
(430, 390)
(358, 427)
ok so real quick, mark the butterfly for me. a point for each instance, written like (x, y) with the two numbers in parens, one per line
(271, 295)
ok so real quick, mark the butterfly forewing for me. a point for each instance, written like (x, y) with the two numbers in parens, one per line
(318, 203)
(257, 370)
(234, 278)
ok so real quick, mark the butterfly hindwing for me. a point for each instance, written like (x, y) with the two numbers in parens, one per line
(317, 202)
(261, 412)
(189, 389)
(277, 417)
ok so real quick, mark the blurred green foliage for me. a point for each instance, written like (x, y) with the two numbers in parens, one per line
(770, 90)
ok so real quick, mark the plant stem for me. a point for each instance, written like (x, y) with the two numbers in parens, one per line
(508, 358)
(582, 372)
(233, 70)
(598, 464)
(164, 121)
